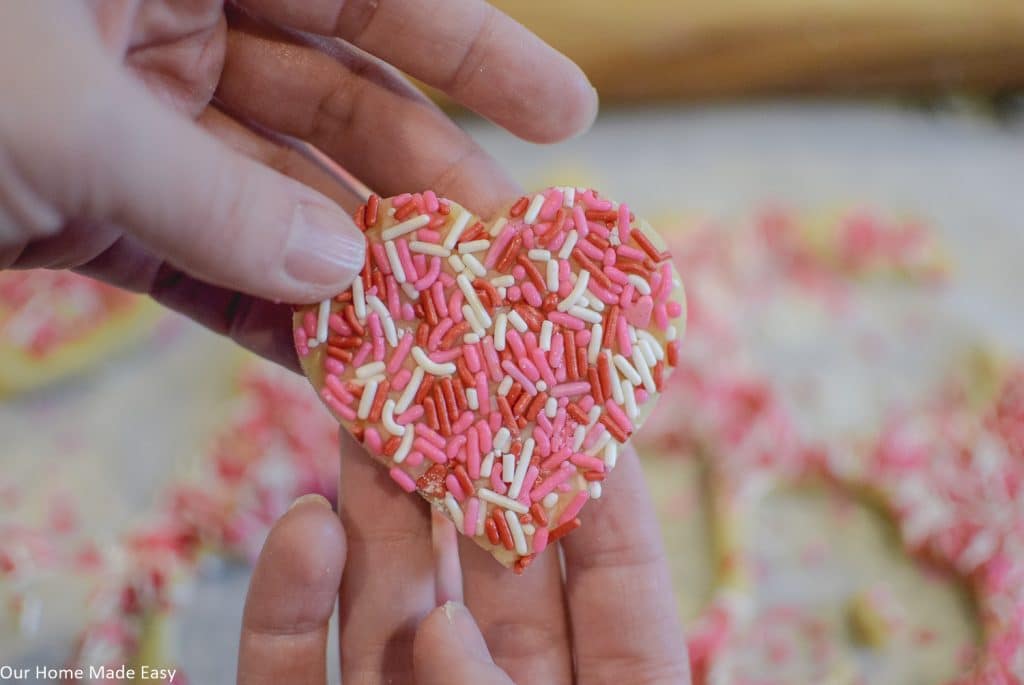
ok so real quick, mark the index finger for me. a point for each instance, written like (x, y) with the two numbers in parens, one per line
(625, 627)
(466, 48)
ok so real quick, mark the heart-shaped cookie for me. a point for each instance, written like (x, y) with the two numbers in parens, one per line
(497, 367)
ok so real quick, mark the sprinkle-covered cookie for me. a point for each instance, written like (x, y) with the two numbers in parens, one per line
(498, 366)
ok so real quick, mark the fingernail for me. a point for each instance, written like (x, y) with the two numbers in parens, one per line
(311, 498)
(324, 248)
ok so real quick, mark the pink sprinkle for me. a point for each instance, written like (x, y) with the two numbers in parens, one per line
(528, 481)
(429, 450)
(557, 354)
(394, 302)
(494, 421)
(630, 252)
(454, 446)
(556, 243)
(661, 316)
(378, 349)
(427, 235)
(411, 414)
(338, 325)
(606, 296)
(483, 398)
(309, 324)
(408, 313)
(586, 402)
(472, 512)
(531, 295)
(403, 479)
(486, 436)
(543, 442)
(616, 276)
(540, 540)
(564, 286)
(627, 295)
(343, 410)
(619, 416)
(452, 483)
(420, 262)
(438, 332)
(463, 423)
(574, 507)
(673, 308)
(622, 334)
(570, 389)
(541, 361)
(608, 258)
(472, 357)
(556, 459)
(402, 246)
(400, 353)
(498, 246)
(519, 376)
(515, 343)
(513, 293)
(497, 484)
(429, 434)
(591, 201)
(455, 306)
(430, 277)
(599, 229)
(473, 453)
(624, 227)
(430, 202)
(445, 356)
(301, 343)
(361, 355)
(381, 258)
(564, 473)
(398, 200)
(566, 320)
(493, 363)
(338, 389)
(591, 250)
(529, 239)
(585, 461)
(372, 439)
(415, 458)
(334, 366)
(579, 220)
(437, 292)
(641, 395)
(552, 201)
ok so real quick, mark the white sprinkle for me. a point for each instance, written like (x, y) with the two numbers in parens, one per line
(593, 415)
(629, 394)
(613, 238)
(473, 300)
(471, 399)
(569, 196)
(501, 501)
(471, 338)
(551, 408)
(404, 447)
(534, 209)
(429, 248)
(474, 265)
(529, 529)
(632, 333)
(487, 465)
(454, 510)
(640, 363)
(504, 281)
(517, 321)
(410, 390)
(502, 439)
(594, 488)
(312, 343)
(577, 289)
(616, 388)
(496, 227)
(577, 438)
(508, 467)
(518, 538)
(474, 246)
(550, 500)
(671, 333)
(539, 255)
(552, 276)
(640, 283)
(359, 298)
(456, 263)
(502, 292)
(627, 370)
(456, 230)
(541, 386)
(471, 318)
(569, 244)
(546, 330)
(370, 369)
(521, 467)
(407, 226)
(653, 346)
(481, 518)
(396, 263)
(410, 291)
(366, 401)
(385, 319)
(500, 326)
(594, 346)
(611, 454)
(599, 445)
(647, 351)
(593, 301)
(429, 365)
(322, 316)
(504, 386)
(588, 315)
(387, 419)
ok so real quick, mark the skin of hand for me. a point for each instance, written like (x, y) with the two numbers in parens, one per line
(131, 146)
(611, 621)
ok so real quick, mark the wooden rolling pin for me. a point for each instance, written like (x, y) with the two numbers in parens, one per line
(700, 49)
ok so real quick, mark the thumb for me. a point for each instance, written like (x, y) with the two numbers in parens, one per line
(212, 212)
(449, 650)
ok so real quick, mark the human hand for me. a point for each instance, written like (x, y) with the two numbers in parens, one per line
(612, 622)
(123, 155)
